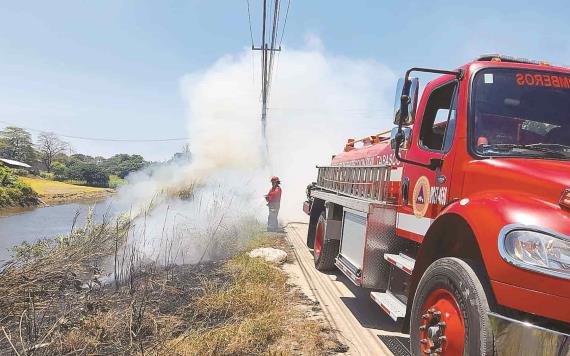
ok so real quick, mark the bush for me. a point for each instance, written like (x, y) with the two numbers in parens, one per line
(60, 171)
(115, 181)
(123, 164)
(92, 174)
(20, 172)
(13, 192)
(47, 175)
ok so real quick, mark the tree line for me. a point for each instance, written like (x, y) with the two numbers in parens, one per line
(52, 158)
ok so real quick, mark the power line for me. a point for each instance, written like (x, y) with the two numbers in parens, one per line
(249, 19)
(99, 138)
(285, 23)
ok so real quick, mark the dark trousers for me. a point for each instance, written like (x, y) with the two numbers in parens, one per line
(272, 223)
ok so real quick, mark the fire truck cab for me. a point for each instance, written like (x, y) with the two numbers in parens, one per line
(458, 219)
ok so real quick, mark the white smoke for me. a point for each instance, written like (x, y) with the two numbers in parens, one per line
(318, 100)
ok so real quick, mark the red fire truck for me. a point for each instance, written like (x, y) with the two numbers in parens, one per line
(458, 220)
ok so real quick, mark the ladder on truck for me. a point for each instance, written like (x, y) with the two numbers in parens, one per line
(354, 186)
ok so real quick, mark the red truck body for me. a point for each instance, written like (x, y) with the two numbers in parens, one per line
(496, 179)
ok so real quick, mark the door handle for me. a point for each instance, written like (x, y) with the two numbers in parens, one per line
(440, 179)
(405, 190)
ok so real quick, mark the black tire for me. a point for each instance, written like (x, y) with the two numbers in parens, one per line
(456, 280)
(325, 255)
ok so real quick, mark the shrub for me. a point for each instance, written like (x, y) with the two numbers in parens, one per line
(60, 171)
(14, 192)
(47, 175)
(20, 172)
(115, 181)
(91, 173)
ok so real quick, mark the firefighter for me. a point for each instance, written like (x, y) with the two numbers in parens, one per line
(273, 199)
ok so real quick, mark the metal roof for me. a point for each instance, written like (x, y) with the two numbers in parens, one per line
(11, 162)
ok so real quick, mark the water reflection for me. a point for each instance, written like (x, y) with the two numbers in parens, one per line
(25, 224)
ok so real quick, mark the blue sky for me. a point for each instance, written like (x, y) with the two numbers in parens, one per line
(113, 68)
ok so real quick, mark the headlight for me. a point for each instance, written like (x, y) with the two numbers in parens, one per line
(537, 250)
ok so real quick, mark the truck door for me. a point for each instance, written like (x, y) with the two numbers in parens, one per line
(424, 191)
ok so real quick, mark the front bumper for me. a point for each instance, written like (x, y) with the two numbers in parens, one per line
(514, 337)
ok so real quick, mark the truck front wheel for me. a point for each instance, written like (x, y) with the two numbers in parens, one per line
(324, 251)
(449, 311)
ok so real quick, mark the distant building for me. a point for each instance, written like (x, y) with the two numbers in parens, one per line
(10, 163)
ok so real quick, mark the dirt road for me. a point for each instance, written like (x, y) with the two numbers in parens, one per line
(360, 322)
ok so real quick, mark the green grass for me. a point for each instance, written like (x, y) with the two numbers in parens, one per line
(51, 191)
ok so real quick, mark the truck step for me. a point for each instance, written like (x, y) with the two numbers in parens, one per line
(403, 262)
(390, 304)
(351, 271)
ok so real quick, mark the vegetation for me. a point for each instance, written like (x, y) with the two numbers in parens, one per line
(58, 192)
(14, 192)
(16, 143)
(122, 164)
(49, 146)
(115, 181)
(253, 311)
(96, 171)
(59, 299)
(49, 160)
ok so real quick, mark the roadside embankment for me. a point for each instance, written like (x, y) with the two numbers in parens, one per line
(85, 293)
(53, 192)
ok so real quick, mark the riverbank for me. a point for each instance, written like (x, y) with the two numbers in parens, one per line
(53, 192)
(86, 294)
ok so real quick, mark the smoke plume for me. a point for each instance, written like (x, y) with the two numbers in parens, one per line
(318, 100)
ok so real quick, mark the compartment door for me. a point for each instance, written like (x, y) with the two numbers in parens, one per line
(353, 237)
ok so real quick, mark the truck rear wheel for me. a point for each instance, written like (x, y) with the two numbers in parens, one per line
(449, 312)
(324, 251)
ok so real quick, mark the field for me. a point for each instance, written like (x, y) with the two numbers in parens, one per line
(53, 192)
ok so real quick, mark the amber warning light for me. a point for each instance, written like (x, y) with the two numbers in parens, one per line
(565, 199)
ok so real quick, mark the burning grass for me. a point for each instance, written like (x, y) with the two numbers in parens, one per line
(86, 294)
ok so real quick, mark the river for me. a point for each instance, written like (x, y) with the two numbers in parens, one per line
(32, 224)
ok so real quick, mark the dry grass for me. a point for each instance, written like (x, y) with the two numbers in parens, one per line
(83, 294)
(255, 312)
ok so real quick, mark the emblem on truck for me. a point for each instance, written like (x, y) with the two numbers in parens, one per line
(421, 196)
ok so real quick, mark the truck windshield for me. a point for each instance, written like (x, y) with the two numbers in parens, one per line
(522, 113)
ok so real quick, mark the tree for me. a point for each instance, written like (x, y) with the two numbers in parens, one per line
(49, 146)
(60, 171)
(91, 173)
(123, 164)
(16, 143)
(82, 158)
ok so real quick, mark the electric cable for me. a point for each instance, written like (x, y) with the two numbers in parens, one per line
(249, 19)
(285, 22)
(85, 138)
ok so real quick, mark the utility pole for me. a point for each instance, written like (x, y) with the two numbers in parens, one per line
(265, 66)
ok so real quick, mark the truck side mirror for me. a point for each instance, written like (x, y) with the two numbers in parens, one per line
(404, 140)
(406, 101)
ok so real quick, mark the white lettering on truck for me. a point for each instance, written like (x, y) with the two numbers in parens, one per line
(438, 195)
